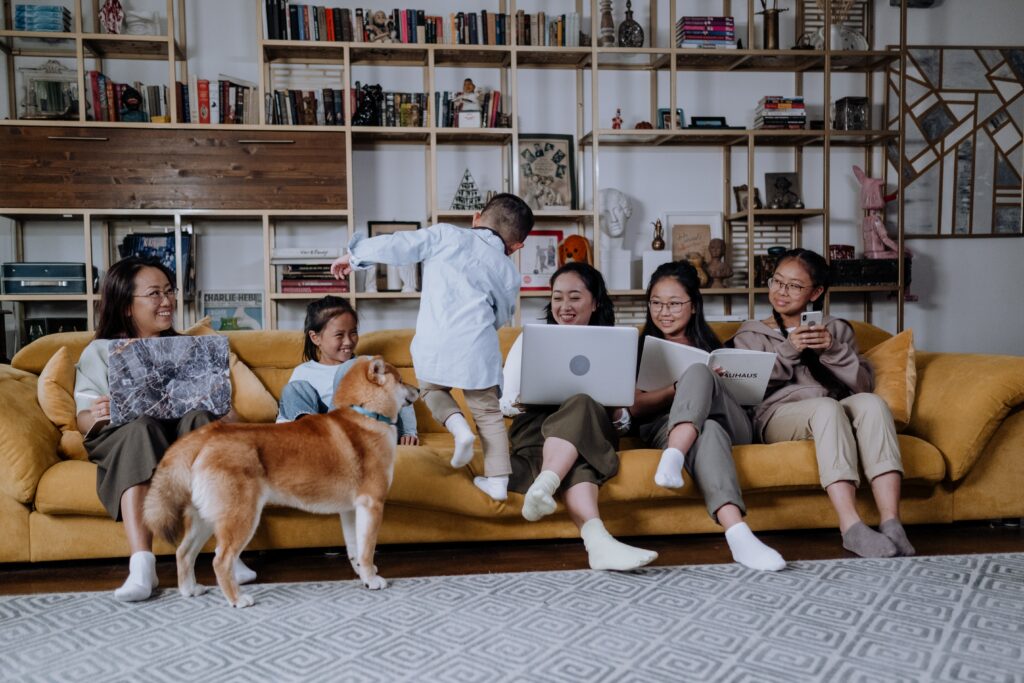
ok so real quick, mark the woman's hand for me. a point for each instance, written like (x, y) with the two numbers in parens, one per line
(718, 370)
(408, 440)
(100, 409)
(814, 337)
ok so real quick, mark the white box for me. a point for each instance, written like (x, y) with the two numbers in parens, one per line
(617, 266)
(653, 259)
(470, 119)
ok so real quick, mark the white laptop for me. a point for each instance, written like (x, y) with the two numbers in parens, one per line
(560, 361)
(167, 377)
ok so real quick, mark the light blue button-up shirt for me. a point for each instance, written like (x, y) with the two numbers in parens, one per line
(469, 291)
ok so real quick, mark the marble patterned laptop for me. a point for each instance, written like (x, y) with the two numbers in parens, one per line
(167, 377)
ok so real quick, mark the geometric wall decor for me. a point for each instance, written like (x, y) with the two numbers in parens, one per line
(964, 161)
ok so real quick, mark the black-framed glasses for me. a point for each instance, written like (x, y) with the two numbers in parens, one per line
(674, 307)
(157, 296)
(786, 287)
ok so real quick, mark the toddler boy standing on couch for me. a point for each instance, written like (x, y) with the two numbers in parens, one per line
(469, 291)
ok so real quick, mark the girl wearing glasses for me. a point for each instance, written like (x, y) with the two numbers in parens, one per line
(695, 420)
(137, 300)
(820, 389)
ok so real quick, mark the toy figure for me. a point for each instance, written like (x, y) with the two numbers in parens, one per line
(468, 100)
(658, 243)
(877, 243)
(575, 248)
(131, 109)
(617, 120)
(377, 30)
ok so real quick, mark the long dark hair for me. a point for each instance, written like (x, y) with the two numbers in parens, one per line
(116, 294)
(318, 314)
(697, 329)
(604, 314)
(818, 270)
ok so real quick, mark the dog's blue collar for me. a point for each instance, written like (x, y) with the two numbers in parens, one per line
(376, 416)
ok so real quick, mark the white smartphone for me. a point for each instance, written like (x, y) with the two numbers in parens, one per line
(810, 318)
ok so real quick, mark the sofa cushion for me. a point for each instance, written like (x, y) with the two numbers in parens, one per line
(69, 488)
(896, 375)
(28, 440)
(56, 395)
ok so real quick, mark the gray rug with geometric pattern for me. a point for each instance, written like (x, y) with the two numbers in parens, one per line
(952, 618)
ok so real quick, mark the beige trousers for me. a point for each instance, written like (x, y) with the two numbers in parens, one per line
(857, 429)
(490, 424)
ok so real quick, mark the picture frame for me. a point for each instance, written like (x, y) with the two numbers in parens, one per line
(663, 120)
(782, 190)
(741, 193)
(538, 259)
(547, 171)
(708, 122)
(395, 278)
(232, 309)
(51, 92)
(689, 231)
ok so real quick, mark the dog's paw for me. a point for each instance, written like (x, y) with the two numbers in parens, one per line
(244, 600)
(193, 591)
(375, 583)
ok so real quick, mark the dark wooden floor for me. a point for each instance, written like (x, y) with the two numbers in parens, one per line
(478, 558)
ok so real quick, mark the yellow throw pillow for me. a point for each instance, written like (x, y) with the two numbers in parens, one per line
(896, 375)
(55, 391)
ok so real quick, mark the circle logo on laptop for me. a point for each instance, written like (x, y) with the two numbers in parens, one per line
(579, 365)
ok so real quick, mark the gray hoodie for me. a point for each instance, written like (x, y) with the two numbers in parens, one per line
(791, 380)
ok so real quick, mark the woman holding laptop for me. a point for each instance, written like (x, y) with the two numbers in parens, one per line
(695, 420)
(570, 447)
(137, 300)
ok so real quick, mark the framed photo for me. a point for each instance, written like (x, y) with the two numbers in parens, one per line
(708, 122)
(395, 278)
(538, 259)
(692, 231)
(742, 194)
(663, 122)
(782, 190)
(232, 309)
(547, 171)
(51, 91)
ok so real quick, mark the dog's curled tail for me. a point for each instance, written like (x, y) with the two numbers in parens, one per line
(170, 490)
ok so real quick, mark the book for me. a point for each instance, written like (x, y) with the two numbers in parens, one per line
(746, 373)
(305, 252)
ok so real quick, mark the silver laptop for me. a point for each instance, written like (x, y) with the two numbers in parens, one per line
(560, 361)
(167, 377)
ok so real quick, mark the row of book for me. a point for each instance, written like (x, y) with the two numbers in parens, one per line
(780, 113)
(227, 100)
(447, 107)
(307, 270)
(324, 107)
(543, 30)
(286, 20)
(706, 32)
(104, 99)
(50, 18)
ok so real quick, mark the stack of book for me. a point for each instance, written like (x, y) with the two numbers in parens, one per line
(286, 20)
(542, 30)
(51, 18)
(103, 99)
(447, 106)
(307, 270)
(226, 100)
(777, 112)
(325, 107)
(706, 32)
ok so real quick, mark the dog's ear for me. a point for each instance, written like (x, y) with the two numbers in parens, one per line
(378, 370)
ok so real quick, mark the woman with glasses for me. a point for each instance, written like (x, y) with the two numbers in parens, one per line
(694, 419)
(820, 389)
(137, 300)
(570, 448)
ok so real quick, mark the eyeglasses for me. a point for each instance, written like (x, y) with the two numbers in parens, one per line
(158, 296)
(674, 307)
(786, 287)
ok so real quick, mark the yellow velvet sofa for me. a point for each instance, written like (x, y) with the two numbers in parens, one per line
(963, 451)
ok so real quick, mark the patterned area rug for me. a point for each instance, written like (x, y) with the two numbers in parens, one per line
(954, 618)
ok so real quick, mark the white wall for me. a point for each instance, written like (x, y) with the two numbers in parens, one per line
(964, 285)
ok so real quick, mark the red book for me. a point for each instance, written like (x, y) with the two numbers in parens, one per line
(292, 289)
(330, 23)
(203, 88)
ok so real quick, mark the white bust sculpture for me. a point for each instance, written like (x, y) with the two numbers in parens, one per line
(615, 211)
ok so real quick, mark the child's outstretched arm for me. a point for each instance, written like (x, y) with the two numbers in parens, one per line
(398, 249)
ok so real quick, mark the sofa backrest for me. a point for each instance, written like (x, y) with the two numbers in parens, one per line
(273, 354)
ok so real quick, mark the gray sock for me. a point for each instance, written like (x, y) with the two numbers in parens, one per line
(894, 531)
(866, 542)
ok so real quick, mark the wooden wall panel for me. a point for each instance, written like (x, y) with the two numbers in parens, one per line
(133, 168)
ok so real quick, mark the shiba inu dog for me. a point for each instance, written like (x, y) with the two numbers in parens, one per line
(218, 478)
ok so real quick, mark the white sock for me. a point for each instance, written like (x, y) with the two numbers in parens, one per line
(539, 500)
(242, 573)
(751, 552)
(457, 425)
(141, 578)
(495, 487)
(670, 469)
(607, 553)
